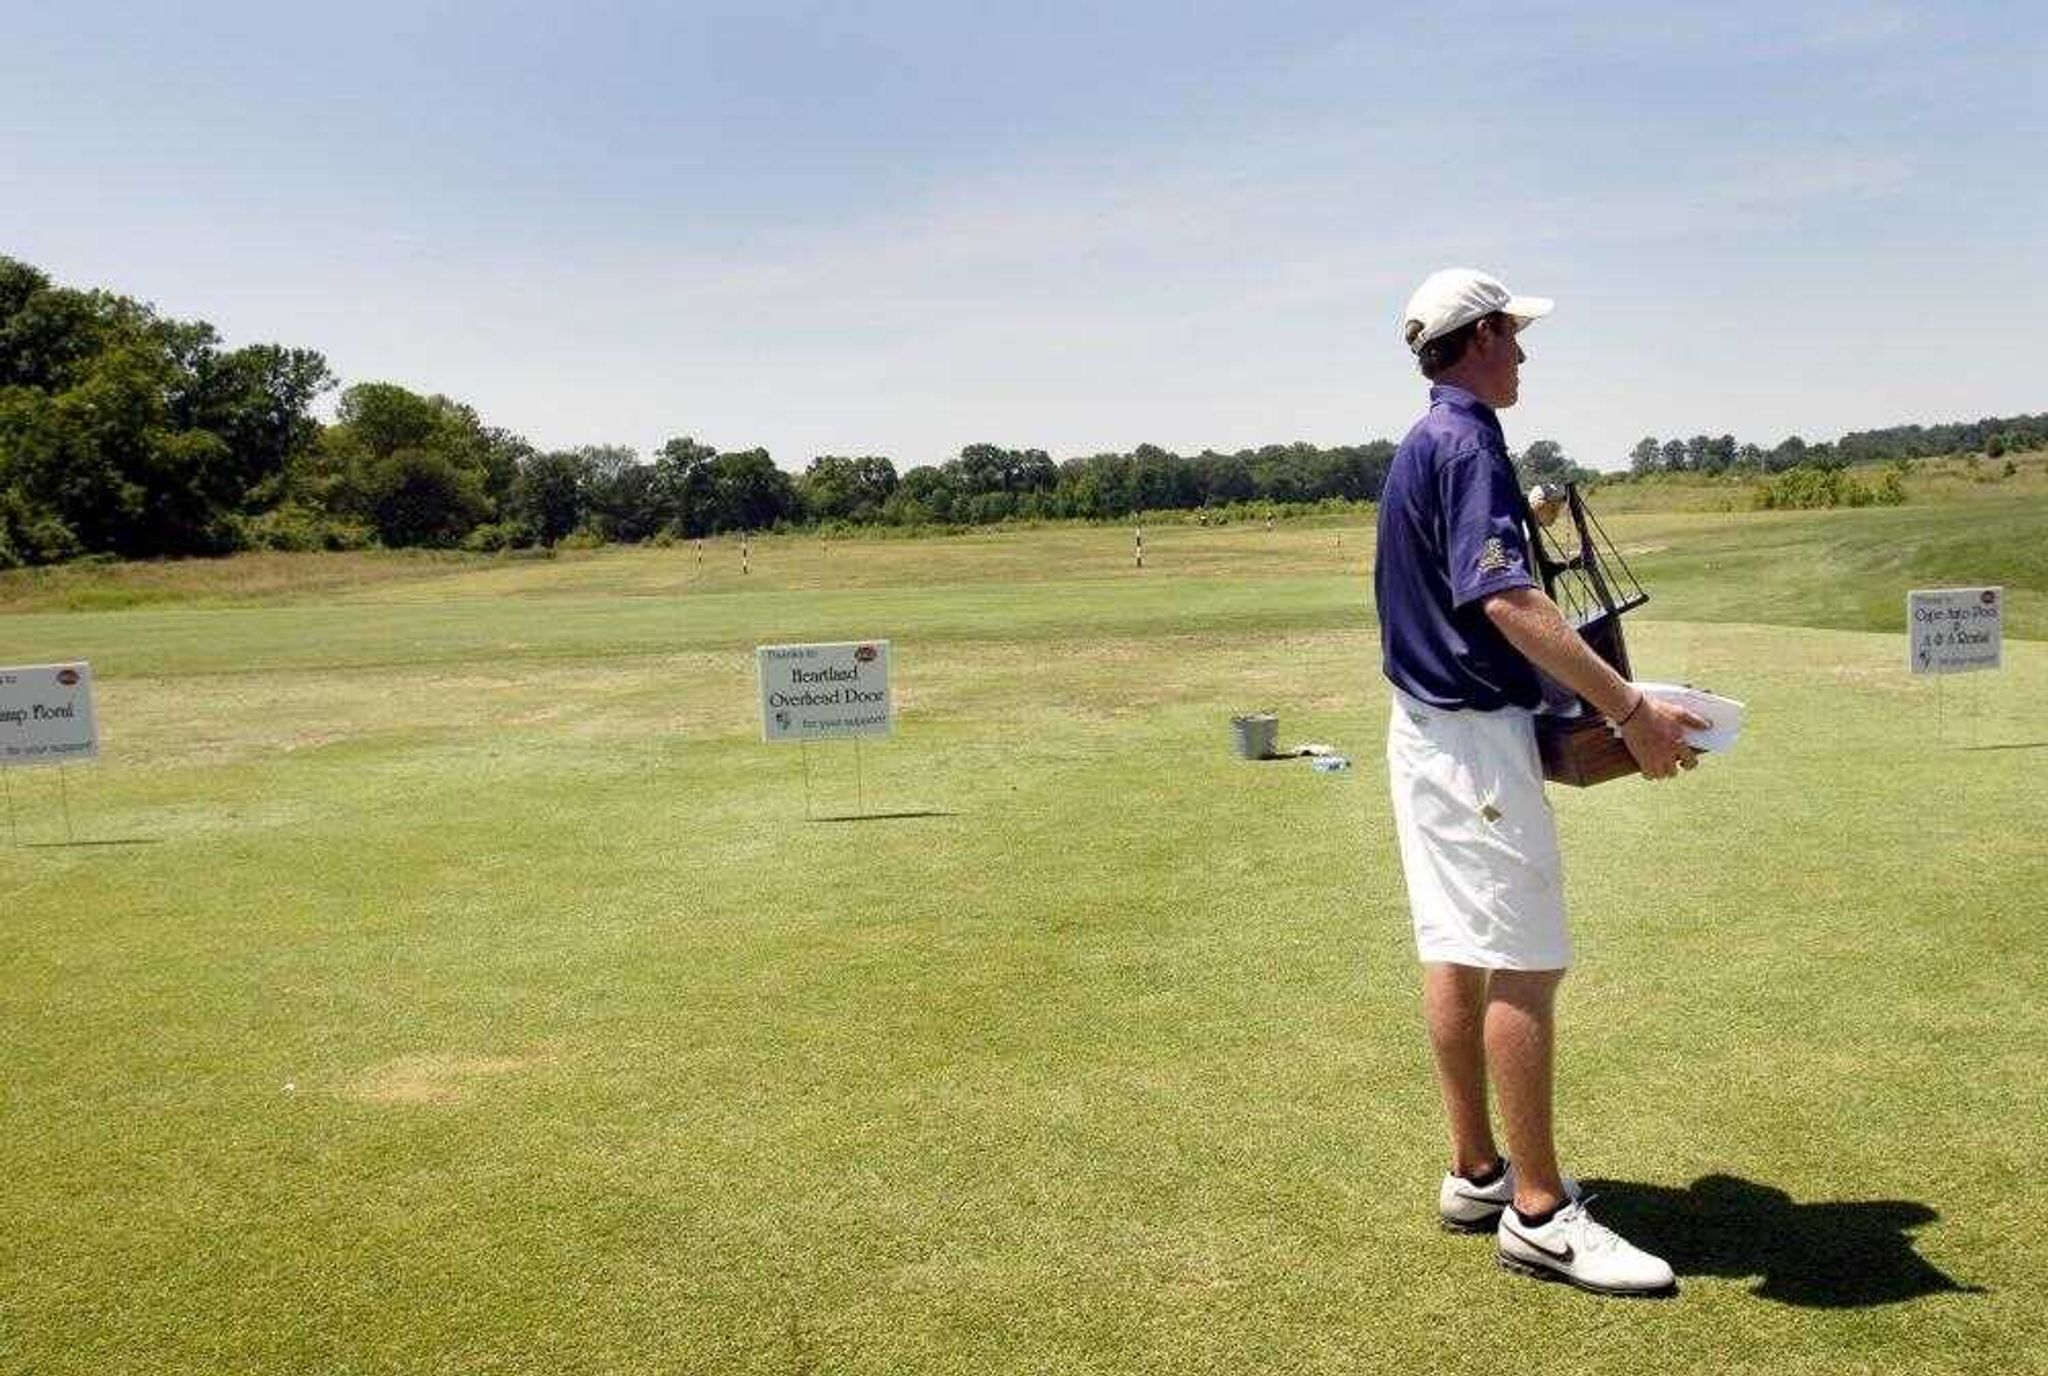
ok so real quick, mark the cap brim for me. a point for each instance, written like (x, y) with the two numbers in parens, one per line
(1528, 308)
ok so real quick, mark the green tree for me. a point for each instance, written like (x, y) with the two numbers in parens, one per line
(551, 494)
(126, 432)
(683, 487)
(1544, 461)
(420, 469)
(929, 490)
(748, 492)
(846, 489)
(421, 496)
(621, 494)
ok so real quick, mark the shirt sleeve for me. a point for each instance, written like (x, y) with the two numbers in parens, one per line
(1485, 543)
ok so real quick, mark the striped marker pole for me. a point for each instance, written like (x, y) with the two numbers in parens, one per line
(746, 554)
(1141, 546)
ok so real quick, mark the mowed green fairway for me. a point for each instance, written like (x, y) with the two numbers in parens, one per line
(456, 984)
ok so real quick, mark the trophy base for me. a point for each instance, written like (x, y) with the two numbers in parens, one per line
(1582, 751)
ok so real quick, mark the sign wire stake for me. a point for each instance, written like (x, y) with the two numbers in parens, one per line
(804, 753)
(64, 793)
(13, 834)
(860, 795)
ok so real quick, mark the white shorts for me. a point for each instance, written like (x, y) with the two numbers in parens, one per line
(1478, 842)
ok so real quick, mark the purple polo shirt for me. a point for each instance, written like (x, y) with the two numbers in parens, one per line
(1451, 535)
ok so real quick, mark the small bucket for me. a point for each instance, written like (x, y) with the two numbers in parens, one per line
(1254, 736)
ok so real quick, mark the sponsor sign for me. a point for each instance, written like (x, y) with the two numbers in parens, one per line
(1954, 630)
(824, 692)
(46, 714)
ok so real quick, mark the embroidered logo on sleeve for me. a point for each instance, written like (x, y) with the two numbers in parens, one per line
(1493, 556)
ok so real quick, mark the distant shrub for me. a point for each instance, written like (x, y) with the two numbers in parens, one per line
(498, 536)
(29, 536)
(295, 529)
(902, 509)
(1807, 488)
(581, 539)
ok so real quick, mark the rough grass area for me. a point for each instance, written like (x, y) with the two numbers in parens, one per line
(450, 981)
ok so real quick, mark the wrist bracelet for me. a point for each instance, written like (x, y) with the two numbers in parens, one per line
(1626, 717)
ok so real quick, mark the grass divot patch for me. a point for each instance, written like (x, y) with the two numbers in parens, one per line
(434, 1079)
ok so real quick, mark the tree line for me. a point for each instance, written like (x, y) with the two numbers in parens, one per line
(127, 433)
(1715, 454)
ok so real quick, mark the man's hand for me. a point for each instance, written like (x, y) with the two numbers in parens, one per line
(1654, 733)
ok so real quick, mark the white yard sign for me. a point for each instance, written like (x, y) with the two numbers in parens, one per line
(46, 714)
(824, 692)
(1954, 630)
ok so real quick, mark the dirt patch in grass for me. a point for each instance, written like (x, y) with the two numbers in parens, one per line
(435, 1078)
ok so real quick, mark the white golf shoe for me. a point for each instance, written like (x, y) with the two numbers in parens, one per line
(1575, 1247)
(1468, 1208)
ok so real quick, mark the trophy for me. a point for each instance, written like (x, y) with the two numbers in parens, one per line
(1591, 583)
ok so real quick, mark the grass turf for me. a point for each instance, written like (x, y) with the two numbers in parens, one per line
(468, 992)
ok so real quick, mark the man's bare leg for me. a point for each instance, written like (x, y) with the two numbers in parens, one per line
(1454, 1004)
(1520, 1032)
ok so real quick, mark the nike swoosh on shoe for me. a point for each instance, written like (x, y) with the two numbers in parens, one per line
(1564, 1256)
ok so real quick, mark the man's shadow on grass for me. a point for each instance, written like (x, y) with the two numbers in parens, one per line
(1843, 1255)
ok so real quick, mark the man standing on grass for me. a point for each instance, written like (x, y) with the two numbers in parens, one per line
(1464, 628)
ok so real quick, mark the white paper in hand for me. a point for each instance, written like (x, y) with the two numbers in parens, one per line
(1723, 715)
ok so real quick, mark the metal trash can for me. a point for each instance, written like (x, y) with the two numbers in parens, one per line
(1254, 736)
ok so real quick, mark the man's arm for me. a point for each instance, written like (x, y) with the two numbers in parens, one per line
(1653, 731)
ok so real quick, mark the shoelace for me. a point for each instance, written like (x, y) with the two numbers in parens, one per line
(1594, 1235)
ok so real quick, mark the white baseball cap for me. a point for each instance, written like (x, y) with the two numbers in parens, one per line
(1459, 296)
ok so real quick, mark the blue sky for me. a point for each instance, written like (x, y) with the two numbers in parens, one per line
(899, 229)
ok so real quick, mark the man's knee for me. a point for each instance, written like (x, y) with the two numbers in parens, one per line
(1524, 988)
